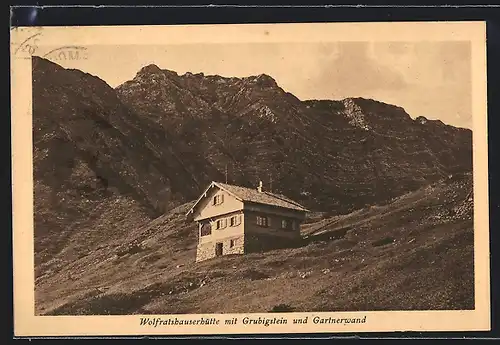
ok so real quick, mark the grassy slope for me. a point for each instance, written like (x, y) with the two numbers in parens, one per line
(414, 253)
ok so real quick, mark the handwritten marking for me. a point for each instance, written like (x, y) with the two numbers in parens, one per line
(31, 48)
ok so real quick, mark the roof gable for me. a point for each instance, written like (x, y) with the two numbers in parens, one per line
(206, 193)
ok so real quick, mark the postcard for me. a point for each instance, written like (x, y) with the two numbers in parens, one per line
(250, 179)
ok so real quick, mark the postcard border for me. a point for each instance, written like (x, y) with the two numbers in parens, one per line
(25, 321)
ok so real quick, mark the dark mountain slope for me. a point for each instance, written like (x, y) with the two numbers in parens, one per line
(89, 148)
(330, 155)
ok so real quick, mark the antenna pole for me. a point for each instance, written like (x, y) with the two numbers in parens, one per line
(271, 182)
(226, 173)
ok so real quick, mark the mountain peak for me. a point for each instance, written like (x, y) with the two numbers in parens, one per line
(196, 75)
(265, 76)
(153, 69)
(150, 69)
(263, 80)
(422, 120)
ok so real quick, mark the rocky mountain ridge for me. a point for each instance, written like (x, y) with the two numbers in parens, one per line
(328, 148)
(156, 141)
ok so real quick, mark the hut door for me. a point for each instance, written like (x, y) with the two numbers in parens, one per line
(218, 249)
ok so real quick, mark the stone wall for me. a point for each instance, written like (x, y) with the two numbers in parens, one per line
(238, 245)
(206, 251)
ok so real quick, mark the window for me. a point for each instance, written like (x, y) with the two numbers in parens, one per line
(218, 199)
(235, 220)
(262, 221)
(206, 229)
(231, 243)
(288, 224)
(221, 223)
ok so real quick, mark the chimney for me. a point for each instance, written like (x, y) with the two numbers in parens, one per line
(259, 188)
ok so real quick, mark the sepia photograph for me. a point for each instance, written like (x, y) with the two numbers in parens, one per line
(271, 182)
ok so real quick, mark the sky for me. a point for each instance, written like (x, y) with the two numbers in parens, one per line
(426, 78)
